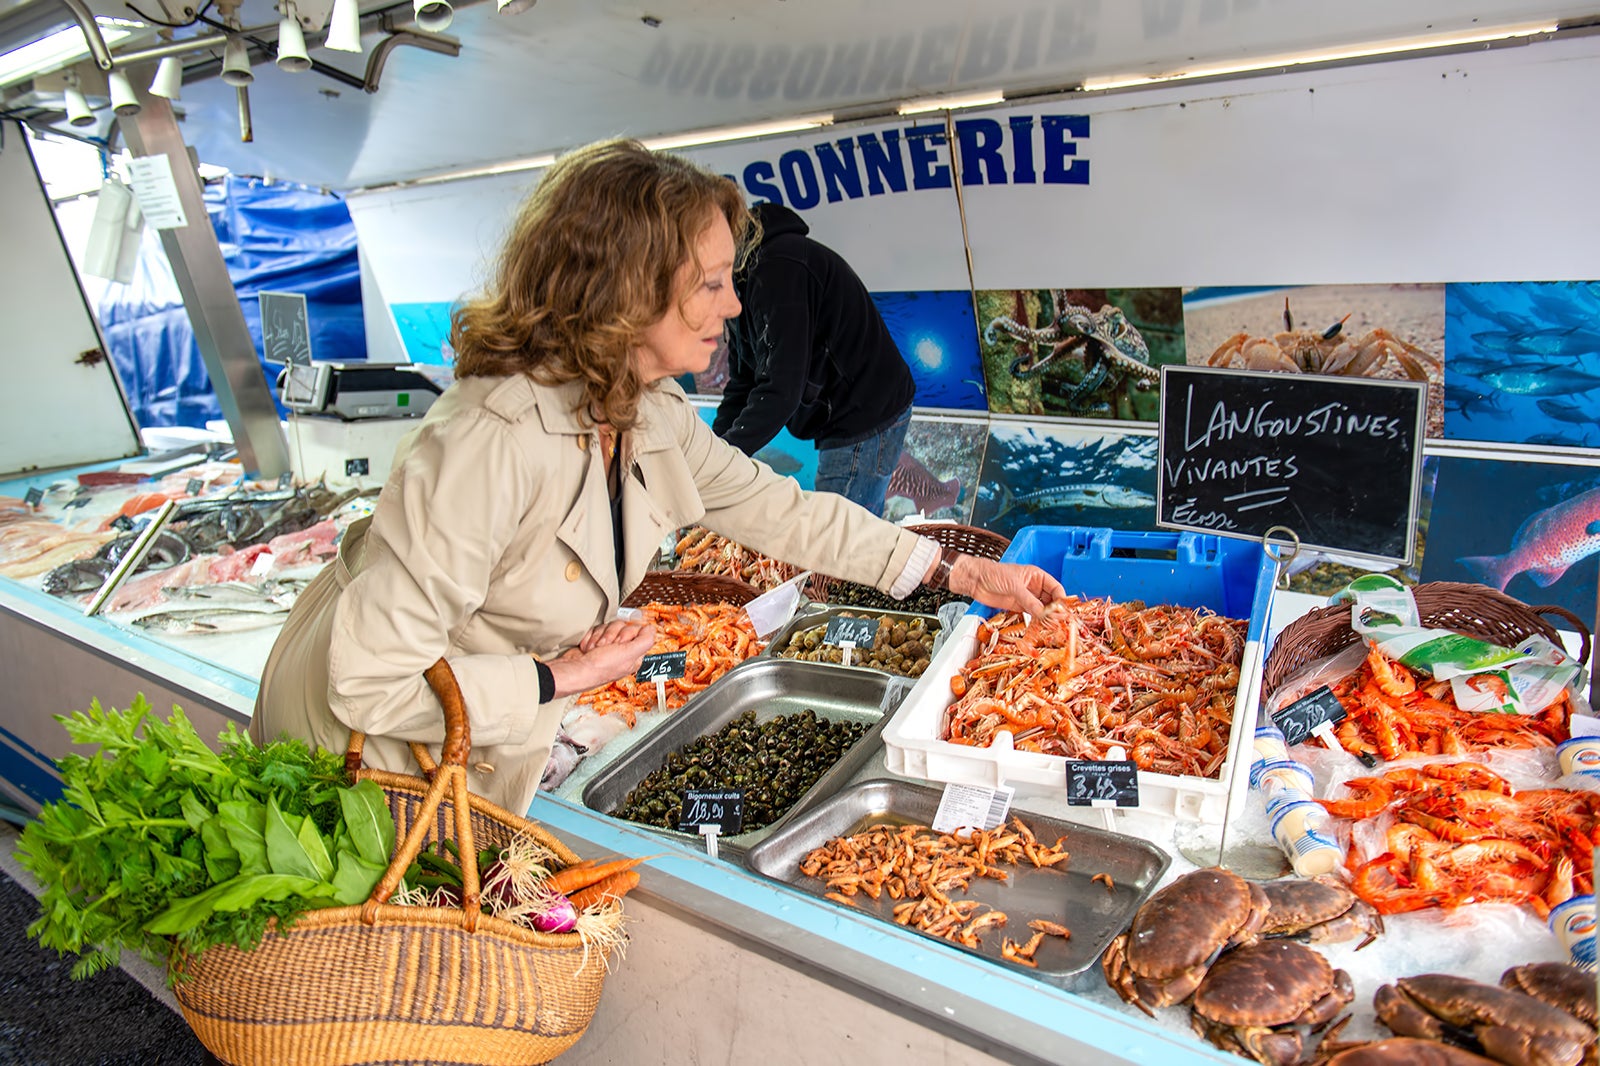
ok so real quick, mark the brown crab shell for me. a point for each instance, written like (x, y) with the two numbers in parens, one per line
(1299, 903)
(1559, 984)
(1269, 983)
(1407, 1051)
(1184, 924)
(1484, 1007)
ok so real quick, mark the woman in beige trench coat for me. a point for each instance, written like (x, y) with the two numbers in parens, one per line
(493, 543)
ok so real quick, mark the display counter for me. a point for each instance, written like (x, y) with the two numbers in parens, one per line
(727, 965)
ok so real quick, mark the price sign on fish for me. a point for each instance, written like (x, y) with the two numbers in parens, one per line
(662, 666)
(857, 632)
(719, 807)
(1102, 783)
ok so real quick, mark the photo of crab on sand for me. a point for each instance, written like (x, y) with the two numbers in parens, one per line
(1079, 353)
(1371, 331)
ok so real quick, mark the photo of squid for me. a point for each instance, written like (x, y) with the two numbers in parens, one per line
(1079, 353)
(1393, 332)
(1066, 476)
(1524, 362)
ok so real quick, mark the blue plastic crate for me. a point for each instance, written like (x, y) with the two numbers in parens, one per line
(1230, 576)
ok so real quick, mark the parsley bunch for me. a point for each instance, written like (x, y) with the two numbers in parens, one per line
(159, 841)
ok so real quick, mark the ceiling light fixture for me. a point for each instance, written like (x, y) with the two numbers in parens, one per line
(78, 112)
(123, 100)
(168, 82)
(433, 15)
(1326, 55)
(291, 42)
(953, 102)
(236, 62)
(344, 26)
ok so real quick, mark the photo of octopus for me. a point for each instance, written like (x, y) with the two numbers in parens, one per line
(1079, 353)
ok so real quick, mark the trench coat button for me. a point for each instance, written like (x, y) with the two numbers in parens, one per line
(573, 570)
(583, 444)
(483, 767)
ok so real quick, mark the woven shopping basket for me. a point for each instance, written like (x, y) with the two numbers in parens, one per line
(379, 983)
(1476, 610)
(968, 540)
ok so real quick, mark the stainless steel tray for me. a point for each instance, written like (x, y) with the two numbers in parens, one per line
(817, 615)
(772, 688)
(1065, 893)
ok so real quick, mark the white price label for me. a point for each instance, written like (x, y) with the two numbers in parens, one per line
(972, 807)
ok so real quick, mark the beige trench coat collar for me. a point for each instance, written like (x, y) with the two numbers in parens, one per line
(585, 530)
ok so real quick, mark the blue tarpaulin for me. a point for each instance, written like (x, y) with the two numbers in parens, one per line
(275, 238)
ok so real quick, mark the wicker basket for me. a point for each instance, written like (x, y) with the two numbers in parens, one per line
(378, 983)
(968, 540)
(1476, 610)
(686, 586)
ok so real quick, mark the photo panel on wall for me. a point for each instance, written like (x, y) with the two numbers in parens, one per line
(938, 470)
(1372, 331)
(1529, 529)
(1523, 363)
(1065, 475)
(1079, 353)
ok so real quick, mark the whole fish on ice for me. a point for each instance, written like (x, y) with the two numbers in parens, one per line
(209, 620)
(1547, 544)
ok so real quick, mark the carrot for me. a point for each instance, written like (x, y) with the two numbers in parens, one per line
(583, 874)
(614, 887)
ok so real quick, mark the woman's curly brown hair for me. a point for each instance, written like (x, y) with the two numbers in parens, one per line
(588, 266)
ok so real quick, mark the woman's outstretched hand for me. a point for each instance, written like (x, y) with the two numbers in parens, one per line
(604, 654)
(1007, 586)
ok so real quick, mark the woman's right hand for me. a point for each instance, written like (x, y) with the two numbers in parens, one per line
(605, 653)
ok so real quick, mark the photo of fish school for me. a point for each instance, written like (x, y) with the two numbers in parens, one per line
(799, 533)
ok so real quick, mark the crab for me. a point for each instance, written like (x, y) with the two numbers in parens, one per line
(1319, 911)
(1113, 350)
(1264, 1000)
(1328, 351)
(1559, 984)
(1508, 1026)
(1177, 934)
(1404, 1051)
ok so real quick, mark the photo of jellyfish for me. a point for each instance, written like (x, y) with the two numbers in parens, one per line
(1371, 331)
(1322, 573)
(785, 453)
(1066, 476)
(1524, 362)
(935, 333)
(937, 470)
(1079, 353)
(1531, 530)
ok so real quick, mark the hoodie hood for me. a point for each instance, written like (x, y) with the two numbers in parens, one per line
(777, 221)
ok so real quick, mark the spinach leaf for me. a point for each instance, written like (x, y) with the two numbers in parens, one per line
(367, 817)
(245, 824)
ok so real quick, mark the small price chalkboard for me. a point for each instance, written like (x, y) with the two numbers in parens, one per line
(122, 523)
(662, 666)
(33, 496)
(1307, 714)
(285, 479)
(1101, 783)
(194, 486)
(859, 632)
(356, 467)
(721, 807)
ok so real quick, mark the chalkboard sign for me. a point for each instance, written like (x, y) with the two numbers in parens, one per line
(194, 486)
(662, 666)
(1102, 783)
(122, 523)
(721, 807)
(1336, 460)
(33, 496)
(1308, 714)
(356, 467)
(285, 328)
(859, 632)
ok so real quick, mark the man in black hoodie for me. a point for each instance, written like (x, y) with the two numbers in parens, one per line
(810, 351)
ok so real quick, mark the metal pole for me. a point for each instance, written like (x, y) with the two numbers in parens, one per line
(208, 295)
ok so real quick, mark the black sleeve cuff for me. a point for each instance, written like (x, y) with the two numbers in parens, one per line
(547, 682)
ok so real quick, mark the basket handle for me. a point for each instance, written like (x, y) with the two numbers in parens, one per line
(1577, 623)
(449, 776)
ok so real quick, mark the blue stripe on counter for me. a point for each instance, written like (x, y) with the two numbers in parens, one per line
(26, 769)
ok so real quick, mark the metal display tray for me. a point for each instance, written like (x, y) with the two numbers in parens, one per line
(1065, 893)
(816, 615)
(772, 688)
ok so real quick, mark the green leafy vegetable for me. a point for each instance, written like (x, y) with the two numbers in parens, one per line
(159, 840)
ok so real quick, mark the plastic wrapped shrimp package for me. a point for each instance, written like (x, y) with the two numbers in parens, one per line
(1299, 823)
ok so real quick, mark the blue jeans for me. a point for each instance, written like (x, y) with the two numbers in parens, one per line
(859, 470)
